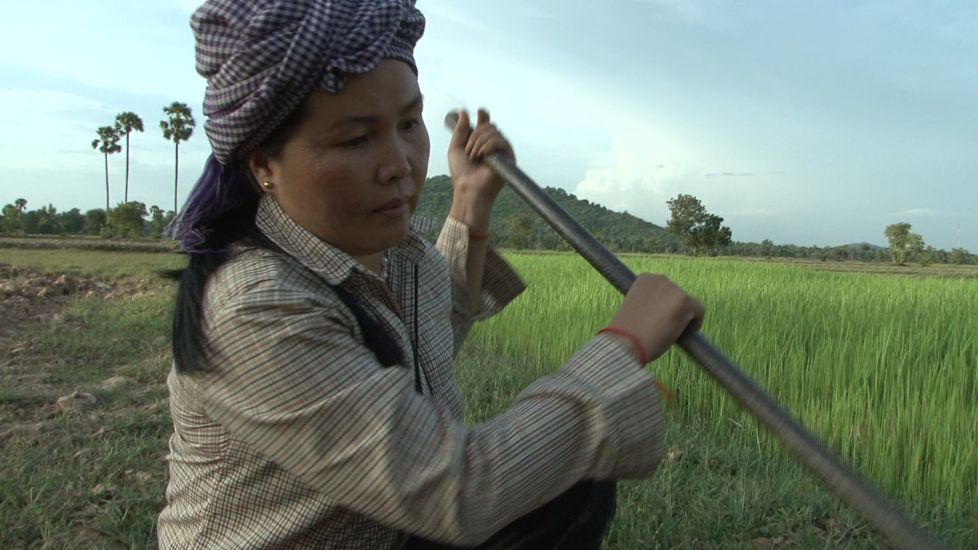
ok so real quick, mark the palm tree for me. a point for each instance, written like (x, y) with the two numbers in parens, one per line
(179, 127)
(107, 143)
(21, 204)
(126, 122)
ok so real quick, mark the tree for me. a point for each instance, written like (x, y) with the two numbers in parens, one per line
(903, 242)
(916, 249)
(43, 221)
(699, 230)
(178, 127)
(898, 234)
(71, 221)
(959, 256)
(125, 221)
(518, 231)
(158, 220)
(21, 205)
(10, 221)
(125, 123)
(107, 143)
(94, 220)
(929, 255)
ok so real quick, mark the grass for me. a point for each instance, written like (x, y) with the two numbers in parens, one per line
(100, 264)
(881, 367)
(95, 478)
(85, 242)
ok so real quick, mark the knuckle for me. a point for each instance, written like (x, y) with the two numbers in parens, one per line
(650, 277)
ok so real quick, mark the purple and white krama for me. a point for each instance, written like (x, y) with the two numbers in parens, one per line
(261, 58)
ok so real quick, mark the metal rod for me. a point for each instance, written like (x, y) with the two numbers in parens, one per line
(844, 482)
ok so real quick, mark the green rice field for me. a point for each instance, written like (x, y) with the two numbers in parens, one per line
(882, 368)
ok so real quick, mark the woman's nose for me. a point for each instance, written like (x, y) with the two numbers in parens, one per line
(395, 163)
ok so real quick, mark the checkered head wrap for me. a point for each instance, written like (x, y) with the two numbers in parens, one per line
(261, 58)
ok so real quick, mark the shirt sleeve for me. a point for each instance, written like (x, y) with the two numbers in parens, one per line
(292, 379)
(500, 284)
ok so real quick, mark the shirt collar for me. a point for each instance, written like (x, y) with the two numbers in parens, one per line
(329, 262)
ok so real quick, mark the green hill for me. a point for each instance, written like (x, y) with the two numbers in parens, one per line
(515, 224)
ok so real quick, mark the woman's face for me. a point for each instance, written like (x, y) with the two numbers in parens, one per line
(351, 170)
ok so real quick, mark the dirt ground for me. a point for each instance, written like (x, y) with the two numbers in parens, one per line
(30, 298)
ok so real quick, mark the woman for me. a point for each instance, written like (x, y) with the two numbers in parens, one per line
(312, 395)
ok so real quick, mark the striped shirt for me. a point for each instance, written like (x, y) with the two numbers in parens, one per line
(298, 438)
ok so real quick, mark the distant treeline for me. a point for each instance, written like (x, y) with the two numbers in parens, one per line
(514, 225)
(125, 221)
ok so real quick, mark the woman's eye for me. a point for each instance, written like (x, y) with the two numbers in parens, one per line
(355, 142)
(410, 124)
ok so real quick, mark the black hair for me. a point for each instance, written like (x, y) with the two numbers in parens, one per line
(236, 224)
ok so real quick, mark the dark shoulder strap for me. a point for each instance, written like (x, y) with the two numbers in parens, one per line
(374, 336)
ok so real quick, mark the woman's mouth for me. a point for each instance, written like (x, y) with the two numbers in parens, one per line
(394, 208)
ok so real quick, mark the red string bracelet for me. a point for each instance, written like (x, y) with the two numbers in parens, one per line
(664, 391)
(636, 343)
(478, 236)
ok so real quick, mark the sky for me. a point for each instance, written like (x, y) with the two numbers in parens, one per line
(803, 122)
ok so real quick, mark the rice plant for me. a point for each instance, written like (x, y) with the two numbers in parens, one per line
(882, 368)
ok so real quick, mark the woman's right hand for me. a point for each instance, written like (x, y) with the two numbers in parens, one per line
(656, 311)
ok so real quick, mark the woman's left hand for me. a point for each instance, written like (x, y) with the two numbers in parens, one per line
(475, 183)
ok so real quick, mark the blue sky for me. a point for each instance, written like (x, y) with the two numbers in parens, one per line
(802, 122)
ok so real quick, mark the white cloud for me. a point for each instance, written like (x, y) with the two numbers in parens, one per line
(635, 175)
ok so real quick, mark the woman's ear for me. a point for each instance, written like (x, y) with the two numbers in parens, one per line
(260, 166)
